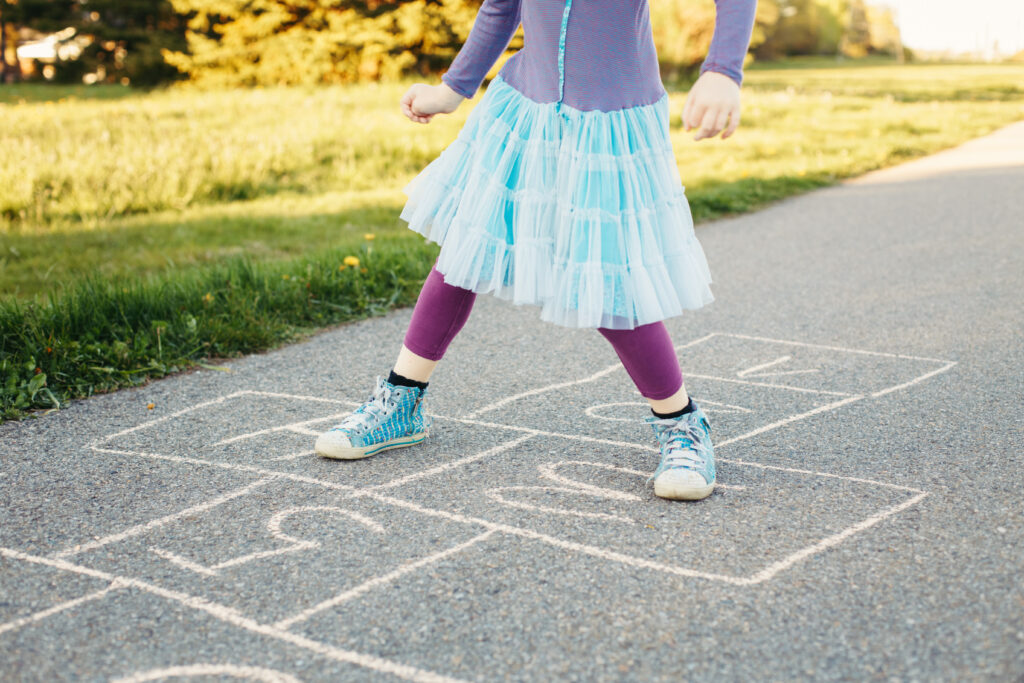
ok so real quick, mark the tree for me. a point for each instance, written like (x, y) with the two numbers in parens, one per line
(126, 37)
(856, 40)
(804, 27)
(682, 34)
(233, 42)
(129, 37)
(3, 41)
(885, 34)
(42, 15)
(683, 30)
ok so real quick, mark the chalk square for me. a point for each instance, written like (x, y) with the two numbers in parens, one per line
(610, 408)
(543, 614)
(28, 588)
(278, 433)
(834, 370)
(124, 637)
(595, 499)
(284, 547)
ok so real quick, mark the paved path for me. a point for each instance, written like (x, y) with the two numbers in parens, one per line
(862, 367)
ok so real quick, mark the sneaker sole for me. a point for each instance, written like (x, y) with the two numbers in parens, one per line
(681, 492)
(341, 453)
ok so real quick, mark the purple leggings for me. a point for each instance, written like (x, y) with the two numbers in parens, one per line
(645, 351)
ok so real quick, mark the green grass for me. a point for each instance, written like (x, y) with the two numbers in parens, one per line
(105, 333)
(160, 191)
(170, 179)
(20, 93)
(939, 83)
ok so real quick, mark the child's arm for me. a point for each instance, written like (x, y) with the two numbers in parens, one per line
(734, 23)
(714, 99)
(492, 30)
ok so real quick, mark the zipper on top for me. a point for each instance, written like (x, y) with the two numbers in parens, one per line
(561, 55)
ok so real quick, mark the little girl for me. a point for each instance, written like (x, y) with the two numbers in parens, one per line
(562, 190)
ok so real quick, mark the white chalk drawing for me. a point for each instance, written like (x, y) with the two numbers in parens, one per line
(601, 410)
(274, 526)
(597, 410)
(233, 617)
(247, 673)
(553, 480)
(571, 487)
(759, 370)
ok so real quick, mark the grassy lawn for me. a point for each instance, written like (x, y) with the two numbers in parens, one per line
(110, 195)
(145, 183)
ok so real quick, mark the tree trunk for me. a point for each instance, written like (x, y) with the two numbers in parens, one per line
(3, 42)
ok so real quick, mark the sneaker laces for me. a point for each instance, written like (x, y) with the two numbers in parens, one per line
(684, 444)
(378, 407)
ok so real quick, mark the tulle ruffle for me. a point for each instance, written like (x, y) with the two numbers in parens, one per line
(580, 212)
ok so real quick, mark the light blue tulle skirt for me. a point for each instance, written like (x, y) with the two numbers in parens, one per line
(580, 212)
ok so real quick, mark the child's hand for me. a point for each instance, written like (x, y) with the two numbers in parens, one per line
(421, 101)
(713, 100)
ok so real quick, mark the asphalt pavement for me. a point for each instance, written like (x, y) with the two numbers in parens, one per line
(862, 369)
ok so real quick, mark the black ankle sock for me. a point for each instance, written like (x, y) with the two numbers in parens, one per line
(679, 413)
(398, 380)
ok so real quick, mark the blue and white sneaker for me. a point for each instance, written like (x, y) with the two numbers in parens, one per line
(392, 417)
(687, 468)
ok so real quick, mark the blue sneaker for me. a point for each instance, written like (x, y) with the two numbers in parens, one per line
(687, 468)
(392, 417)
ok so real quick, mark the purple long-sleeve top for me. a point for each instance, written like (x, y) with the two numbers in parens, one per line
(608, 60)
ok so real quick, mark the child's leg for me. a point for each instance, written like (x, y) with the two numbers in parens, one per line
(650, 359)
(441, 311)
(394, 417)
(687, 467)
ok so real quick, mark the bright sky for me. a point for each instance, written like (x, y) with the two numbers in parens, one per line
(960, 25)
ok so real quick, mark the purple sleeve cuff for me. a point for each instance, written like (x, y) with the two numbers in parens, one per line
(492, 31)
(452, 83)
(724, 70)
(734, 24)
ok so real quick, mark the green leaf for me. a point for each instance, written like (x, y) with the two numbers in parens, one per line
(214, 367)
(36, 383)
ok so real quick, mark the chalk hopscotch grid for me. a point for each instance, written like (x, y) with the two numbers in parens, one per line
(280, 630)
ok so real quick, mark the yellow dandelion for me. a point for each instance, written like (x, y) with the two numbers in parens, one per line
(364, 270)
(342, 267)
(369, 236)
(351, 261)
(285, 276)
(207, 297)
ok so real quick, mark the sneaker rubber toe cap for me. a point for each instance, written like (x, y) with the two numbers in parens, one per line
(336, 444)
(682, 484)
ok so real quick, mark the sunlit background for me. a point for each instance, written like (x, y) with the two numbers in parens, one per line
(986, 29)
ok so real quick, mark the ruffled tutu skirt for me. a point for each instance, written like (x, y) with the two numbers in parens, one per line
(580, 212)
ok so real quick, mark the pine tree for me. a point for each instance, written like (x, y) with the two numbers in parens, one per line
(126, 37)
(129, 38)
(42, 15)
